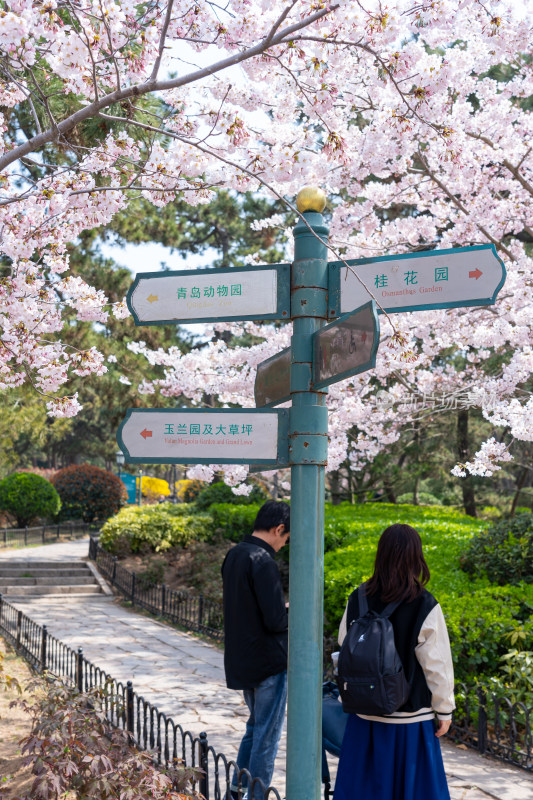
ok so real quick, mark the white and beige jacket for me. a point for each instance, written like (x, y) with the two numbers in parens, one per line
(422, 642)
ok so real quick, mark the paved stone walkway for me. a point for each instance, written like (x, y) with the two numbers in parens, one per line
(184, 677)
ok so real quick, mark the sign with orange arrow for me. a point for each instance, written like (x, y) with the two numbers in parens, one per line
(458, 276)
(205, 436)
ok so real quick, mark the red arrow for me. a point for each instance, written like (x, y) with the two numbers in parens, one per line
(476, 273)
(145, 434)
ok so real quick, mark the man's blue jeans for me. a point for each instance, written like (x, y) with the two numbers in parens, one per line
(259, 744)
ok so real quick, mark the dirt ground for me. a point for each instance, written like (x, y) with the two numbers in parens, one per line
(15, 780)
(195, 568)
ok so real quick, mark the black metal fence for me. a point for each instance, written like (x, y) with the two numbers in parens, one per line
(194, 611)
(43, 534)
(494, 725)
(150, 728)
(491, 724)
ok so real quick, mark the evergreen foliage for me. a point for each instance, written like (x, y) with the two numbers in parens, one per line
(232, 521)
(88, 492)
(138, 529)
(484, 621)
(504, 553)
(221, 493)
(28, 497)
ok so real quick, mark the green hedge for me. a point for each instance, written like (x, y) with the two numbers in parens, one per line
(222, 493)
(233, 522)
(158, 528)
(483, 619)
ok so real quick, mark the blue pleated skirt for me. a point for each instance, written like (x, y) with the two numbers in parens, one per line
(382, 761)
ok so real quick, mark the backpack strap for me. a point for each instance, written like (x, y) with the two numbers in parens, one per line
(363, 605)
(363, 602)
(390, 609)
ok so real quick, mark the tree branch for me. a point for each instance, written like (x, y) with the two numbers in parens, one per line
(455, 200)
(162, 39)
(92, 109)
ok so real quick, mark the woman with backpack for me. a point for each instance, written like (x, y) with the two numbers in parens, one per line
(391, 622)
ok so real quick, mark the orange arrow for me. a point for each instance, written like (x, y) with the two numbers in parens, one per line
(145, 434)
(476, 273)
(152, 298)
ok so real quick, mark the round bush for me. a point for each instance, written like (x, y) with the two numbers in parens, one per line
(504, 553)
(28, 496)
(89, 493)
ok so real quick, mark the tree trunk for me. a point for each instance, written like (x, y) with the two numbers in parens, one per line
(334, 483)
(416, 440)
(467, 484)
(390, 494)
(519, 486)
(415, 491)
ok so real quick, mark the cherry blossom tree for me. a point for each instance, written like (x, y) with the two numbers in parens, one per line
(413, 116)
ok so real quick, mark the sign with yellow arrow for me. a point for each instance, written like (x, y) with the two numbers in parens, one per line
(207, 295)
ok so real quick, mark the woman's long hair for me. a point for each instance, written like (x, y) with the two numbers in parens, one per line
(400, 571)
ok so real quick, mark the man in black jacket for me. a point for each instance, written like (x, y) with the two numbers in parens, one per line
(255, 639)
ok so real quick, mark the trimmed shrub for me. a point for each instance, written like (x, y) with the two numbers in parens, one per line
(188, 490)
(141, 529)
(233, 522)
(484, 620)
(424, 499)
(221, 493)
(482, 624)
(28, 496)
(89, 493)
(154, 488)
(504, 553)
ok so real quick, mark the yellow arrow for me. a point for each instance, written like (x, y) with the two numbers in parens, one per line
(152, 298)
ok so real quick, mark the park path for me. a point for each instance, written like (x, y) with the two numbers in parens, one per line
(184, 677)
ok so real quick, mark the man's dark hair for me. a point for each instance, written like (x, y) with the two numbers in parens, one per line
(271, 514)
(400, 571)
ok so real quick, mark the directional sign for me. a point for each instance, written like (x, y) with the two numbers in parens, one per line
(205, 436)
(207, 295)
(273, 380)
(346, 347)
(460, 276)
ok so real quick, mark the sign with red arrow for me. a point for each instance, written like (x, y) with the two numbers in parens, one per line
(459, 276)
(205, 436)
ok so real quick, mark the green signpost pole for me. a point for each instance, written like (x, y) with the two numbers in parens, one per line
(308, 440)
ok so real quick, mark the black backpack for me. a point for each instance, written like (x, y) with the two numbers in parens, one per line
(371, 679)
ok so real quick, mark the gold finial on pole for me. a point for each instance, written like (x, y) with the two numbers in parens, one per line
(311, 198)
